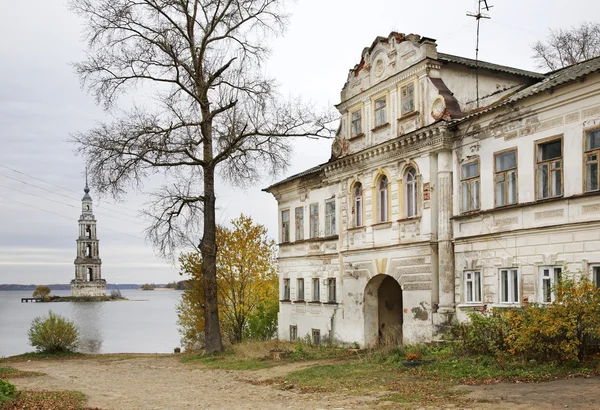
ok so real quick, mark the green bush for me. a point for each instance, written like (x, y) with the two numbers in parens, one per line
(262, 322)
(41, 292)
(7, 390)
(53, 334)
(484, 335)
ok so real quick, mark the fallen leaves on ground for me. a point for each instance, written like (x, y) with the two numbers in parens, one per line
(47, 400)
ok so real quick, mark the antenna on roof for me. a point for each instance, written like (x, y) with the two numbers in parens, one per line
(478, 16)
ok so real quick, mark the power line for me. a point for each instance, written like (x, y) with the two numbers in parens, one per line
(58, 186)
(66, 217)
(65, 196)
(59, 202)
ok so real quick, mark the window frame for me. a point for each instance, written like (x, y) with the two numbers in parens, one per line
(412, 83)
(595, 273)
(285, 226)
(351, 112)
(357, 205)
(331, 290)
(293, 333)
(316, 336)
(382, 203)
(299, 224)
(313, 220)
(300, 289)
(384, 109)
(415, 194)
(330, 219)
(476, 285)
(586, 152)
(316, 290)
(549, 162)
(505, 180)
(470, 181)
(554, 277)
(509, 291)
(286, 289)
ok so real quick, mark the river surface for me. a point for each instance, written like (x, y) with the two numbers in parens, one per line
(146, 323)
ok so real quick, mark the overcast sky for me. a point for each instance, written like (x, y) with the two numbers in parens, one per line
(41, 104)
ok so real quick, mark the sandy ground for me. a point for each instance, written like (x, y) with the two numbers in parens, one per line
(155, 382)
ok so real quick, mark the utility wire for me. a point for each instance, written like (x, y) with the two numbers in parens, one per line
(59, 202)
(66, 217)
(65, 196)
(58, 186)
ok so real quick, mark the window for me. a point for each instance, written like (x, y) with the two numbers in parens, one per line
(411, 192)
(509, 286)
(300, 289)
(470, 186)
(330, 217)
(314, 220)
(380, 112)
(407, 98)
(285, 225)
(592, 151)
(472, 287)
(316, 336)
(549, 169)
(331, 290)
(506, 177)
(382, 199)
(299, 224)
(293, 333)
(88, 232)
(286, 289)
(316, 290)
(596, 275)
(356, 123)
(550, 275)
(357, 204)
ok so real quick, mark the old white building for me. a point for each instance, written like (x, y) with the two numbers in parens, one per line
(88, 276)
(436, 202)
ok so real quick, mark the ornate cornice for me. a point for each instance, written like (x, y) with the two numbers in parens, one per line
(435, 137)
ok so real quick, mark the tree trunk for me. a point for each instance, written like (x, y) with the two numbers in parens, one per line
(212, 330)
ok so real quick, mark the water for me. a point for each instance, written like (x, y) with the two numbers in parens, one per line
(146, 323)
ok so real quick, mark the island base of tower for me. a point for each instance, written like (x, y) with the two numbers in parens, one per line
(88, 288)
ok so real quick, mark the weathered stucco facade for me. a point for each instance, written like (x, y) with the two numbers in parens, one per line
(88, 276)
(427, 208)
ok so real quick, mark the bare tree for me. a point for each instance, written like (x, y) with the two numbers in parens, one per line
(212, 110)
(565, 47)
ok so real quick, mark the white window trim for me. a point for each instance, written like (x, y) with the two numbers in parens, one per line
(510, 288)
(415, 193)
(466, 281)
(551, 269)
(591, 268)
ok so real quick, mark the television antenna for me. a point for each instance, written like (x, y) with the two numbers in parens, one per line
(478, 16)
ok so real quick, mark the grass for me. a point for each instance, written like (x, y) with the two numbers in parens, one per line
(46, 400)
(42, 356)
(9, 372)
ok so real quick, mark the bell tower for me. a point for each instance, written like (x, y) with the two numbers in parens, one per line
(88, 278)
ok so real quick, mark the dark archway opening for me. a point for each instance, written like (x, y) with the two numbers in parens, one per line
(383, 311)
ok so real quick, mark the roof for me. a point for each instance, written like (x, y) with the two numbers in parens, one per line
(449, 58)
(551, 80)
(306, 172)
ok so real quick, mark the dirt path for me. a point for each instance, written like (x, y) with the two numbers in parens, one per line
(165, 383)
(155, 382)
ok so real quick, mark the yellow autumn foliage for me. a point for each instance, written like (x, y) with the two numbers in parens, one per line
(246, 281)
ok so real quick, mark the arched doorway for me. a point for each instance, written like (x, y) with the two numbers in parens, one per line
(383, 310)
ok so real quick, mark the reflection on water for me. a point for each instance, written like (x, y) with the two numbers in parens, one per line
(90, 335)
(144, 324)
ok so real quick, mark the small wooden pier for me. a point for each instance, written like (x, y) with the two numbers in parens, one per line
(27, 300)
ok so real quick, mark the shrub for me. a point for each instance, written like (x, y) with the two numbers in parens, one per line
(484, 335)
(7, 390)
(116, 294)
(41, 292)
(53, 334)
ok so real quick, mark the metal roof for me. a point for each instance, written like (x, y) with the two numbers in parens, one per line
(552, 80)
(306, 172)
(489, 66)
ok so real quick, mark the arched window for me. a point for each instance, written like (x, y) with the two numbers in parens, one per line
(382, 199)
(90, 273)
(411, 192)
(357, 204)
